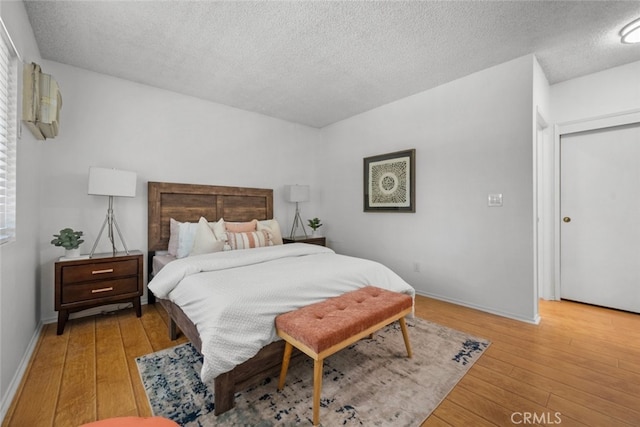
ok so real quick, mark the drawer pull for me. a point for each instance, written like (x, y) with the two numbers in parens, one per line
(108, 270)
(95, 291)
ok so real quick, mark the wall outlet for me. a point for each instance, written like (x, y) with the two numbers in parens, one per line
(494, 200)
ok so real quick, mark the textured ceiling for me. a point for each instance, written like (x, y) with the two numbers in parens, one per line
(319, 62)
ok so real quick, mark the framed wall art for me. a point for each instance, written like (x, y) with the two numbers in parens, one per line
(389, 182)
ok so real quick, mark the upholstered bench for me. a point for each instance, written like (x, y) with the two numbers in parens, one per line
(321, 329)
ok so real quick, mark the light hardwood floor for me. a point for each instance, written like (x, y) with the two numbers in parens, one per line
(580, 366)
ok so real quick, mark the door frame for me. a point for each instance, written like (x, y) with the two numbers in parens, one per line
(560, 129)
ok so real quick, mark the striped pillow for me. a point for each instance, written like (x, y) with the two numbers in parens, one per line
(241, 227)
(253, 239)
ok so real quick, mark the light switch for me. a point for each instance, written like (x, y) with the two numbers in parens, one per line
(494, 200)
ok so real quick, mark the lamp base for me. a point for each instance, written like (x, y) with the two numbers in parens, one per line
(297, 220)
(110, 221)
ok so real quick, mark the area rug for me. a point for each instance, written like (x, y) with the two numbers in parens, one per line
(371, 383)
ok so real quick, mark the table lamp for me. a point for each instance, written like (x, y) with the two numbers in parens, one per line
(296, 194)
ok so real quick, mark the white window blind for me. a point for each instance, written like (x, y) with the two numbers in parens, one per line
(8, 127)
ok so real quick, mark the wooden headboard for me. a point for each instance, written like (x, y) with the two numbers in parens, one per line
(188, 202)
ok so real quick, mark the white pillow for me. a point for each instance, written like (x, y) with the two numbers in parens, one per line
(182, 235)
(174, 230)
(272, 227)
(219, 229)
(186, 235)
(205, 241)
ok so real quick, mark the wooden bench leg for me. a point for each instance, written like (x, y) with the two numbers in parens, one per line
(317, 388)
(285, 364)
(405, 335)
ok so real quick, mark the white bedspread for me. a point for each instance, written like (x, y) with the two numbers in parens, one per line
(233, 297)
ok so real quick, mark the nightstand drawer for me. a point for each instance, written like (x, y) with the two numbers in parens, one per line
(89, 291)
(99, 271)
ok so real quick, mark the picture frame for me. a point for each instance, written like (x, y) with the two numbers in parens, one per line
(389, 182)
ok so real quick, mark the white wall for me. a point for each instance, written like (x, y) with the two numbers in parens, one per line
(544, 192)
(608, 92)
(19, 284)
(472, 137)
(541, 94)
(162, 136)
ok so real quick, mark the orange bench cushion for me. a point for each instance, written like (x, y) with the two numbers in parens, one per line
(324, 324)
(133, 422)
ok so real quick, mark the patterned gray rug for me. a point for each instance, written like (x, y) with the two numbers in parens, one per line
(371, 383)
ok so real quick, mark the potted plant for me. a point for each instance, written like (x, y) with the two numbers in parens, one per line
(70, 240)
(314, 224)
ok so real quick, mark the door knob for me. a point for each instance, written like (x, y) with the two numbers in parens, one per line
(566, 219)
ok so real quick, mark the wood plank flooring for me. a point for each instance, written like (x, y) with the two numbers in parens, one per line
(579, 367)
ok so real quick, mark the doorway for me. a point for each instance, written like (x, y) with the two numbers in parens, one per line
(599, 215)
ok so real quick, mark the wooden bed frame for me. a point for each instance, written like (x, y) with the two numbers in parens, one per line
(187, 203)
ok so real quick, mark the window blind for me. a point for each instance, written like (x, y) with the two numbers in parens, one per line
(8, 136)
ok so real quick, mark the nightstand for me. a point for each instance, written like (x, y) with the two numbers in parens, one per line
(103, 279)
(322, 241)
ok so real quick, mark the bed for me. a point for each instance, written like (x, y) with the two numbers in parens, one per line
(275, 270)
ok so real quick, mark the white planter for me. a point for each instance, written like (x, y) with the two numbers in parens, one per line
(72, 253)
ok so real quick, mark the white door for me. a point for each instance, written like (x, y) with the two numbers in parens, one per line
(600, 217)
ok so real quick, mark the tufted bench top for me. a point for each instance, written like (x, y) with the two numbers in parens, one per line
(324, 324)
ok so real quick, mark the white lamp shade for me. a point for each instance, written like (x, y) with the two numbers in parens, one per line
(296, 193)
(112, 182)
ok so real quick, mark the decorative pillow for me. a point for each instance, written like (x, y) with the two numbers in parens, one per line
(174, 230)
(272, 227)
(253, 239)
(180, 245)
(219, 229)
(186, 234)
(205, 240)
(241, 227)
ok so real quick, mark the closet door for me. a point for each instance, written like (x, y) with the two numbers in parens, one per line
(600, 217)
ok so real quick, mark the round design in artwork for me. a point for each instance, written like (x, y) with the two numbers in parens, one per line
(388, 183)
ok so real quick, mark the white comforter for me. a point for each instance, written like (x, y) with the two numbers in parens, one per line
(233, 297)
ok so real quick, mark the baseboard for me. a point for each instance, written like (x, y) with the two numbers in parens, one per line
(17, 377)
(535, 320)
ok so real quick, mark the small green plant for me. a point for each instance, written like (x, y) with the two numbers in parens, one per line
(68, 239)
(314, 224)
